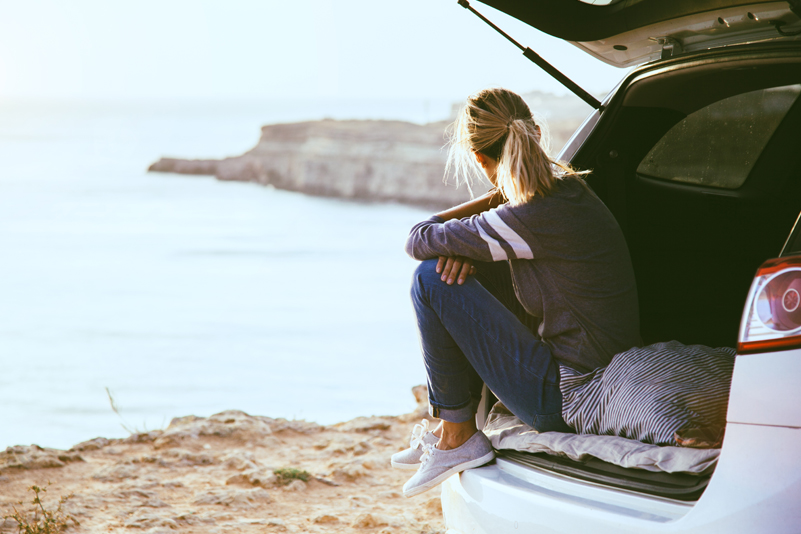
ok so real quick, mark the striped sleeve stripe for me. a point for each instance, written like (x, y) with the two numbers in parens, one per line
(520, 247)
(498, 254)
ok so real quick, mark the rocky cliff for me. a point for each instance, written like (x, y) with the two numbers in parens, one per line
(369, 160)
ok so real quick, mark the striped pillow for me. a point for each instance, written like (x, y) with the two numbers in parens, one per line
(650, 393)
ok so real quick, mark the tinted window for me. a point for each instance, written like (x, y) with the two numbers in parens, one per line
(718, 145)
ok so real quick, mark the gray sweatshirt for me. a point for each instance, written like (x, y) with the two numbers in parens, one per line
(570, 267)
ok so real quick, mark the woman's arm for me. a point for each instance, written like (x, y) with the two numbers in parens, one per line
(457, 268)
(491, 199)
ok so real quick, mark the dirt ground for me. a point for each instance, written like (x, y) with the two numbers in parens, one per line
(216, 475)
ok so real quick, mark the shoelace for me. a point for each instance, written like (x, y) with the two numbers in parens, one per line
(418, 432)
(428, 449)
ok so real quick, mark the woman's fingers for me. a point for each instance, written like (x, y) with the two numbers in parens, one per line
(455, 269)
(451, 269)
(441, 263)
(466, 268)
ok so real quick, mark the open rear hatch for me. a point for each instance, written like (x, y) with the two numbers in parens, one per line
(631, 32)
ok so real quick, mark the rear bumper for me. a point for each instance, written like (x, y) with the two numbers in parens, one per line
(756, 488)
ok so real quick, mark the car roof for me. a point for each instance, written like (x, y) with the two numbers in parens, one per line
(632, 32)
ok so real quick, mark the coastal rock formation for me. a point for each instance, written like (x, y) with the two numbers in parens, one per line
(35, 457)
(368, 159)
(364, 160)
(231, 472)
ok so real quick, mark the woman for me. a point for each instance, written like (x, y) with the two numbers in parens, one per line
(553, 285)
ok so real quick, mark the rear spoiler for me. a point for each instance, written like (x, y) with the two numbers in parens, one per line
(544, 65)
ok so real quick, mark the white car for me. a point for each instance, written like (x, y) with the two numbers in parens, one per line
(697, 153)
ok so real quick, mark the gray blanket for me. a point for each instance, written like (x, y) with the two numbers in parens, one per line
(506, 431)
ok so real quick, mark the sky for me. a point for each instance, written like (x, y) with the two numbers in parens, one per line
(265, 49)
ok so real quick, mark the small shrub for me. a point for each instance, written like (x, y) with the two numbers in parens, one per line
(285, 475)
(40, 520)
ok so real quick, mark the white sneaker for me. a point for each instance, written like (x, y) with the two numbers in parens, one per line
(436, 466)
(410, 458)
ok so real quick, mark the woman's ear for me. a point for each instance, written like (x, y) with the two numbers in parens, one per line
(481, 158)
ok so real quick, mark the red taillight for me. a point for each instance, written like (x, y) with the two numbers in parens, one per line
(772, 316)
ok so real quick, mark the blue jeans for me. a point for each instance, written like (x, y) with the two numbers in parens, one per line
(479, 333)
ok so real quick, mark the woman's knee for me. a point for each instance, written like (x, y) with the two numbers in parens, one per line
(424, 275)
(424, 279)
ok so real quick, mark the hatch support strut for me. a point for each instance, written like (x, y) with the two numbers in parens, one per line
(544, 65)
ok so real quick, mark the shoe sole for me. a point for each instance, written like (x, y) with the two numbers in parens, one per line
(407, 467)
(436, 481)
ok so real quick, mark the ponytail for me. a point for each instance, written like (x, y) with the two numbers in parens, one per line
(499, 124)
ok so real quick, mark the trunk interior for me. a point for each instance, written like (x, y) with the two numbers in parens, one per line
(696, 246)
(703, 199)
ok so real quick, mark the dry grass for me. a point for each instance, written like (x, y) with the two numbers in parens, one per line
(38, 519)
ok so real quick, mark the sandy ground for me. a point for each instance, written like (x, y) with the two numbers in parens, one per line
(215, 474)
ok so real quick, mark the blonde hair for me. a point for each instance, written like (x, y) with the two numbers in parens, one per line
(498, 123)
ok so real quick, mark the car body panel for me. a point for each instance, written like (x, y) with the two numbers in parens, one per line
(762, 396)
(749, 492)
(531, 500)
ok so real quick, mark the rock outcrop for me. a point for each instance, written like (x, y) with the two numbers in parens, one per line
(230, 472)
(362, 160)
(368, 159)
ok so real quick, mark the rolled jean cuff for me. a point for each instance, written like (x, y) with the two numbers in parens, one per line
(453, 415)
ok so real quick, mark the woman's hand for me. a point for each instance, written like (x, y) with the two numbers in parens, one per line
(455, 268)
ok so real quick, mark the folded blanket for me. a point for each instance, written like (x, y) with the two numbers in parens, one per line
(506, 431)
(650, 393)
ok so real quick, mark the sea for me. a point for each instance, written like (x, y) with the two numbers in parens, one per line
(128, 298)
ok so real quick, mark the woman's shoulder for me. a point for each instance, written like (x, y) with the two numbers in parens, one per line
(571, 204)
(571, 183)
(568, 188)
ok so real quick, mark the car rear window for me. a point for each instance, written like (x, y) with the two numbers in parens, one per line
(718, 145)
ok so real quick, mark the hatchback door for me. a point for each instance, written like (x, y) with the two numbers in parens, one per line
(631, 32)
